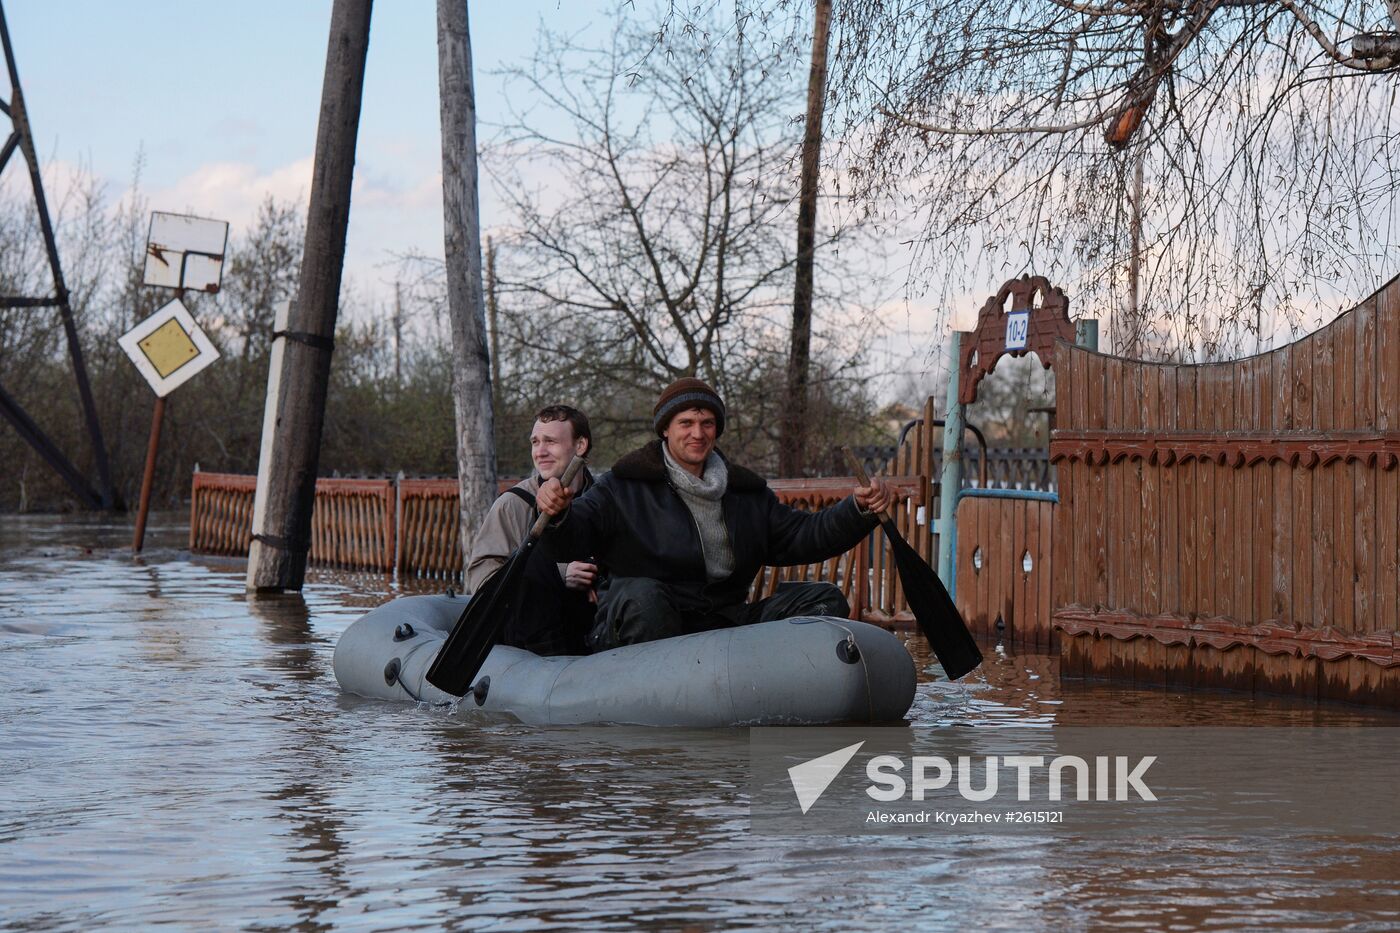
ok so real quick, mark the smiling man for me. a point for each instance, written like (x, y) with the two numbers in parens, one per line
(683, 532)
(552, 608)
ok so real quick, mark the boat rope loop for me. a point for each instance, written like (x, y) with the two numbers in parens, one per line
(393, 674)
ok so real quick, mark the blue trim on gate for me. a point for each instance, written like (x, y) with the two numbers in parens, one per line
(974, 493)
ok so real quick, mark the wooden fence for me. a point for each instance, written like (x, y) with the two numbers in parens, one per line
(1235, 524)
(352, 525)
(411, 527)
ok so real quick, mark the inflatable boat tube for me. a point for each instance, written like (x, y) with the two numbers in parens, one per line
(798, 671)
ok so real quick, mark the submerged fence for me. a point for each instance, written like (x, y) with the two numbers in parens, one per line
(411, 527)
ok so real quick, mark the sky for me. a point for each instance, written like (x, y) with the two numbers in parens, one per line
(220, 102)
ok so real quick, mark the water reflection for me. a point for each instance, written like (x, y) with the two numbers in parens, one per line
(179, 753)
(286, 627)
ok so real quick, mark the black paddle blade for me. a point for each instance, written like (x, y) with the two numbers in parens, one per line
(933, 608)
(477, 629)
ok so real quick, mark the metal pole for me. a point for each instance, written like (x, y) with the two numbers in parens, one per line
(148, 477)
(951, 480)
(19, 116)
(11, 409)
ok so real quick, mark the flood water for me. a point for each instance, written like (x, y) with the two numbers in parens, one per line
(175, 753)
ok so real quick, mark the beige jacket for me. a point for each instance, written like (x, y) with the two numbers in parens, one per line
(506, 525)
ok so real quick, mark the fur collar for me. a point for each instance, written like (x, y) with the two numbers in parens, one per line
(647, 464)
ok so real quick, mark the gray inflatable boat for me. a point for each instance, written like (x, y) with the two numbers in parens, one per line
(798, 671)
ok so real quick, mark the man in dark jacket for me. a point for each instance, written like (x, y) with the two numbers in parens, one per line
(683, 532)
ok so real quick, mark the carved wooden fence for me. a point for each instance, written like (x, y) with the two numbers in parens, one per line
(1235, 524)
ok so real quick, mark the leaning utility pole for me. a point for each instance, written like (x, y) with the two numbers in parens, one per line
(291, 446)
(793, 435)
(471, 383)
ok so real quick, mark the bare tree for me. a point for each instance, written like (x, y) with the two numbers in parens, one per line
(676, 178)
(653, 197)
(1264, 129)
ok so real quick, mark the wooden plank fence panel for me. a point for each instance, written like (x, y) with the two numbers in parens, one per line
(1189, 508)
(1223, 567)
(1169, 509)
(1149, 502)
(1324, 482)
(1344, 488)
(1124, 545)
(1250, 588)
(1258, 485)
(1206, 562)
(1301, 366)
(1281, 530)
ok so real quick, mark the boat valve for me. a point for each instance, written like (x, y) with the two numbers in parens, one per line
(848, 650)
(480, 689)
(391, 672)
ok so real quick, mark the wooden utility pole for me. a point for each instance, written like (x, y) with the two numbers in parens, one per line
(471, 384)
(793, 435)
(287, 465)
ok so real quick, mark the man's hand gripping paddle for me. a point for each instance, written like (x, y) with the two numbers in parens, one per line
(480, 624)
(933, 608)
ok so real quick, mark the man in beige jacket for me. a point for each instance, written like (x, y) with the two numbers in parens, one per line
(551, 609)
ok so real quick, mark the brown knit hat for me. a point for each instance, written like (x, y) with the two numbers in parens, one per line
(682, 395)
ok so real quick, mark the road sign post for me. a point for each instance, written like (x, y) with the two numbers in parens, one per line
(182, 252)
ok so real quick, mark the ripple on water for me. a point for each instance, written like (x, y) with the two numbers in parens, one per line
(176, 753)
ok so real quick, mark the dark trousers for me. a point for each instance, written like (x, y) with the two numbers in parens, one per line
(638, 609)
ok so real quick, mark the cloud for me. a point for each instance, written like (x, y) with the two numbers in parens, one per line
(233, 191)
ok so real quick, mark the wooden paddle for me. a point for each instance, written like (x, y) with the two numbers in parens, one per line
(933, 608)
(480, 624)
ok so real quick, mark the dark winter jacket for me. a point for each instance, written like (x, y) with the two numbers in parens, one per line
(633, 523)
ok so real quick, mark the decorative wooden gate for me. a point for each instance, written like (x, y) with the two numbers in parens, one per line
(1235, 524)
(1002, 557)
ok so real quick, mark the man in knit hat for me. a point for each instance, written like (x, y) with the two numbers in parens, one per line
(683, 532)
